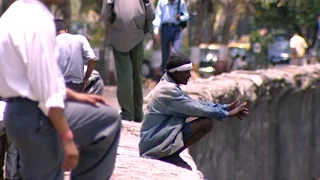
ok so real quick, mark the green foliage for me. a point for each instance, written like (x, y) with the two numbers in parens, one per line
(97, 34)
(94, 5)
(289, 15)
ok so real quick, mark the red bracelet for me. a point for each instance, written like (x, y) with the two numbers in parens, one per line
(68, 135)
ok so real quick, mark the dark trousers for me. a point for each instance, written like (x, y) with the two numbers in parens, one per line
(9, 156)
(96, 132)
(95, 87)
(129, 78)
(170, 35)
(75, 87)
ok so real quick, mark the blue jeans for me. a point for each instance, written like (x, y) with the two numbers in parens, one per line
(170, 34)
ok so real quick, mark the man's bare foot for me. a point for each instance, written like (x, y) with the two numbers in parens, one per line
(175, 159)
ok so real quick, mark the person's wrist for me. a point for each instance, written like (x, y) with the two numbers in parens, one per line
(66, 136)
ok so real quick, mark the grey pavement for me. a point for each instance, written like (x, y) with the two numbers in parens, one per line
(110, 94)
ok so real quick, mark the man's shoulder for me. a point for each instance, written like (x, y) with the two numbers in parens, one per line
(167, 88)
(81, 38)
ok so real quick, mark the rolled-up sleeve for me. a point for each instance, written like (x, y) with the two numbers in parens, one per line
(46, 80)
(157, 20)
(179, 102)
(87, 51)
(207, 103)
(184, 11)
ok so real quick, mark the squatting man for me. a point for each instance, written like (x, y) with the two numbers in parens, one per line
(165, 132)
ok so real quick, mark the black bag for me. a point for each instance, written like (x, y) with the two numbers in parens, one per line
(182, 24)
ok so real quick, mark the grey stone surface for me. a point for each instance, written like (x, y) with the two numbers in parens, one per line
(280, 140)
(129, 166)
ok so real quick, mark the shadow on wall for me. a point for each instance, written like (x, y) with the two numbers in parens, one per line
(280, 140)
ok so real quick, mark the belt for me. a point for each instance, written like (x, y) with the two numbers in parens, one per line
(73, 83)
(169, 24)
(18, 99)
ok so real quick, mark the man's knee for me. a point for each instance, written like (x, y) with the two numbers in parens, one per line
(206, 124)
(111, 117)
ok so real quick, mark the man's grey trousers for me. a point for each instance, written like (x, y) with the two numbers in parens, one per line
(96, 133)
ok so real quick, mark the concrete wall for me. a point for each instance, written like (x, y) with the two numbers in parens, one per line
(280, 140)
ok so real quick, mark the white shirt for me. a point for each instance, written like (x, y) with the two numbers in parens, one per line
(74, 52)
(28, 67)
(299, 43)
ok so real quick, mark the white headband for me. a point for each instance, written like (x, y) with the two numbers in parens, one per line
(185, 67)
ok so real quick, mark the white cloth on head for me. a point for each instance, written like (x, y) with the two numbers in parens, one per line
(185, 67)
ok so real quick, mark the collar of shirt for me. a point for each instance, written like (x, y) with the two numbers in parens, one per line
(167, 2)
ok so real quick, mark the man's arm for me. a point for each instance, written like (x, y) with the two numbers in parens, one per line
(157, 21)
(48, 86)
(92, 99)
(207, 103)
(91, 66)
(184, 11)
(181, 104)
(88, 54)
(107, 11)
(149, 8)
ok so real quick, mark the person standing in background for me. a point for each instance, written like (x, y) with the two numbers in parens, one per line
(127, 25)
(169, 15)
(74, 52)
(298, 46)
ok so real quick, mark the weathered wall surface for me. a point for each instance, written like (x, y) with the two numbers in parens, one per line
(280, 140)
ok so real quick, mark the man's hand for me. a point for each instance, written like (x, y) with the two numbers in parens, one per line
(178, 17)
(71, 155)
(90, 99)
(85, 84)
(85, 98)
(233, 105)
(239, 111)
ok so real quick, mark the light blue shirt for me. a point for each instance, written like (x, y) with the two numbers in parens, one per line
(166, 13)
(167, 110)
(74, 52)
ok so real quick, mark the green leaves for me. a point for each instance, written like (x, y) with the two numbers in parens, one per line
(287, 14)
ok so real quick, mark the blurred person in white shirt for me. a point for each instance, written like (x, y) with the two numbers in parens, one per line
(298, 47)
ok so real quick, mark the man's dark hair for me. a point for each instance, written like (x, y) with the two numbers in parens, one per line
(176, 60)
(60, 25)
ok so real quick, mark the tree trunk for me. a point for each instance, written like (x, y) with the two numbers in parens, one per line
(195, 50)
(212, 12)
(66, 12)
(243, 26)
(201, 4)
(223, 60)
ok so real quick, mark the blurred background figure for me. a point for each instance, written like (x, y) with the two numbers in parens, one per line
(298, 47)
(170, 20)
(240, 63)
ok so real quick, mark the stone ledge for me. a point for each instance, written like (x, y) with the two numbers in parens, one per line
(254, 85)
(280, 139)
(130, 166)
